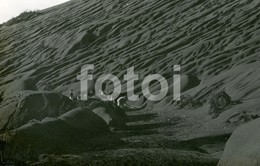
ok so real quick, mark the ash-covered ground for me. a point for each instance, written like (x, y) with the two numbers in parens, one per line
(215, 42)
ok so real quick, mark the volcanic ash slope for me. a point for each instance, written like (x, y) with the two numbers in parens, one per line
(215, 42)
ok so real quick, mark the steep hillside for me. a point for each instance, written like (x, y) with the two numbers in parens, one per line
(217, 44)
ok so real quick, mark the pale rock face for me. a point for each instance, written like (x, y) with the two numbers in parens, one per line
(242, 148)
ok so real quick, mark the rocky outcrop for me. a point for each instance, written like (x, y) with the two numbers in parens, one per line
(45, 126)
(242, 148)
(27, 106)
(75, 131)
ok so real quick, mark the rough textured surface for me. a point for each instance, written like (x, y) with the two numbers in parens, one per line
(19, 110)
(206, 37)
(151, 156)
(72, 132)
(216, 43)
(242, 148)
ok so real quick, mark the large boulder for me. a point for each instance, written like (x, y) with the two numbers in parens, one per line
(32, 105)
(243, 147)
(113, 115)
(75, 131)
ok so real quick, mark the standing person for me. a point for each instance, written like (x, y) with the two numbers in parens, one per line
(71, 95)
(78, 100)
